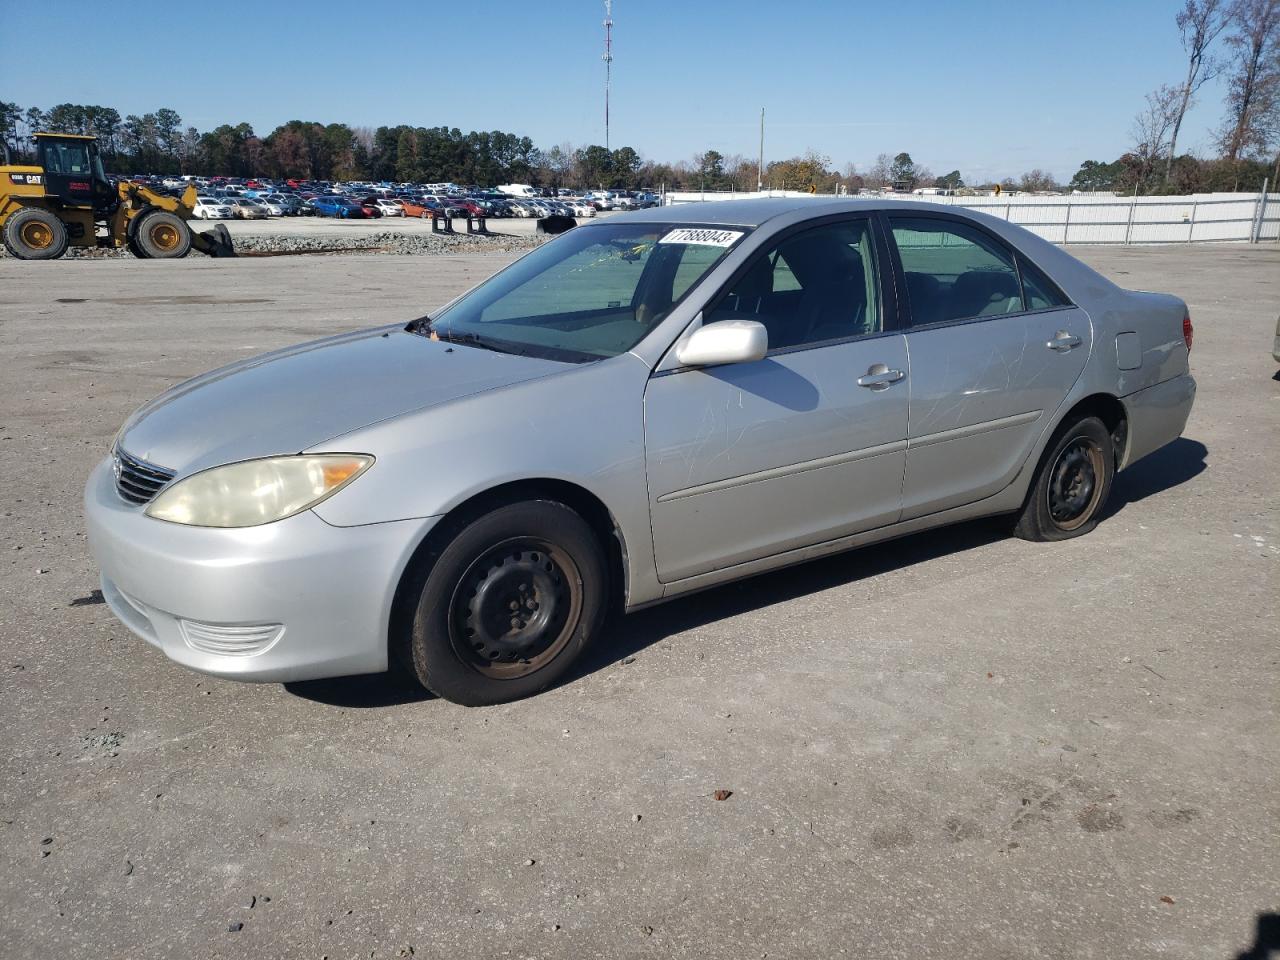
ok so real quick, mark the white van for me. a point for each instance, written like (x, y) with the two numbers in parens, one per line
(517, 190)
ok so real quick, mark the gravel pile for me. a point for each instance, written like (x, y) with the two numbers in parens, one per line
(388, 242)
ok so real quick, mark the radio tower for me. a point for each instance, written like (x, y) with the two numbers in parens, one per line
(608, 64)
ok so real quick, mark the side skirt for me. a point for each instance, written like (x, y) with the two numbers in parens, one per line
(1007, 500)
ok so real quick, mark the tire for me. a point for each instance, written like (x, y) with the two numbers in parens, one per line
(35, 234)
(1072, 484)
(162, 236)
(506, 607)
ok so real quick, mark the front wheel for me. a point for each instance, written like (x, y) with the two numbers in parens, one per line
(1072, 484)
(163, 236)
(505, 609)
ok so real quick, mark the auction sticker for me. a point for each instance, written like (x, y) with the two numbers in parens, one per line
(702, 237)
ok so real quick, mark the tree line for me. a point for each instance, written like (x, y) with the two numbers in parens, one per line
(160, 143)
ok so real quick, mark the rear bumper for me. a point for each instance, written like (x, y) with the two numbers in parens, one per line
(1157, 415)
(298, 599)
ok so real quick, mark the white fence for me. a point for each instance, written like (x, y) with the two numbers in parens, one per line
(1198, 218)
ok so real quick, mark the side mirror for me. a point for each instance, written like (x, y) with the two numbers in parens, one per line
(726, 341)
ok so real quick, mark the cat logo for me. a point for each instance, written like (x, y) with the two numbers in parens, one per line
(31, 179)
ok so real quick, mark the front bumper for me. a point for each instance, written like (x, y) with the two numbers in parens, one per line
(297, 599)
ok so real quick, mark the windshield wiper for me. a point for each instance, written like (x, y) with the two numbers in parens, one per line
(476, 340)
(423, 326)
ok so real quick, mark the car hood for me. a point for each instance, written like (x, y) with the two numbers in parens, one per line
(288, 401)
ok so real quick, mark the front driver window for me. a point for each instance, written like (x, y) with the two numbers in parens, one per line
(812, 287)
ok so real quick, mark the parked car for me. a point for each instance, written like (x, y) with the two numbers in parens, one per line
(412, 208)
(389, 208)
(273, 207)
(288, 202)
(718, 390)
(578, 207)
(246, 208)
(329, 206)
(450, 206)
(212, 208)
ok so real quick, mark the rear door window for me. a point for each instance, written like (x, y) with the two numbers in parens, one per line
(954, 272)
(1039, 291)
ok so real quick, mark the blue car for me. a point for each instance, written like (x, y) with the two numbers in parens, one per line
(334, 207)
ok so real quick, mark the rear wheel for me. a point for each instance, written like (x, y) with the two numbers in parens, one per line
(163, 236)
(1072, 484)
(35, 234)
(505, 609)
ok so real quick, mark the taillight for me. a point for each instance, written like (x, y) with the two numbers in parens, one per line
(1188, 332)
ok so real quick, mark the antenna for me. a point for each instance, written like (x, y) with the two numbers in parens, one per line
(608, 64)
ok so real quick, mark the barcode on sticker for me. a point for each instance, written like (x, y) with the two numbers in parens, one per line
(706, 238)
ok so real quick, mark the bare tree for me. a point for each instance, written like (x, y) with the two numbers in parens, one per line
(1199, 22)
(1153, 126)
(1037, 181)
(1253, 86)
(881, 173)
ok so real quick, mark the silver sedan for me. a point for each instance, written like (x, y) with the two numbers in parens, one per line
(642, 407)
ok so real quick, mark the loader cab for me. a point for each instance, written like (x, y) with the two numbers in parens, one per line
(73, 173)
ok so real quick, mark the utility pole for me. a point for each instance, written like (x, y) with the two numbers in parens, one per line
(760, 166)
(608, 64)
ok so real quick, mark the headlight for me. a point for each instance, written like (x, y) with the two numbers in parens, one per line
(256, 491)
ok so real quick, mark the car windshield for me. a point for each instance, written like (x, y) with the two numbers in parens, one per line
(593, 292)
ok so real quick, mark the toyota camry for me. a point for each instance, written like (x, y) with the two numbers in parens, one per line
(639, 408)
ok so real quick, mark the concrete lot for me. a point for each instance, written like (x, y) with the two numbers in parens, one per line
(343, 229)
(956, 745)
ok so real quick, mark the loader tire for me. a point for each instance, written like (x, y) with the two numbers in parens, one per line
(162, 236)
(35, 234)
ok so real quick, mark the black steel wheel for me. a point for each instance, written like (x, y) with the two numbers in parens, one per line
(1075, 483)
(515, 608)
(506, 606)
(1072, 484)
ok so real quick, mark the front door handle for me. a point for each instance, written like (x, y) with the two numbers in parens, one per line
(1063, 341)
(879, 377)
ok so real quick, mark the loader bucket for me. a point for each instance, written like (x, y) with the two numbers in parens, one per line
(215, 242)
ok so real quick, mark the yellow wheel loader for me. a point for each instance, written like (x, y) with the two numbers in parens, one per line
(65, 198)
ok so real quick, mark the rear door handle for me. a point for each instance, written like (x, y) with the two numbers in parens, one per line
(879, 377)
(1063, 342)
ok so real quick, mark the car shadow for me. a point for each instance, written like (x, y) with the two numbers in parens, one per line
(626, 636)
(1266, 939)
(390, 689)
(1170, 466)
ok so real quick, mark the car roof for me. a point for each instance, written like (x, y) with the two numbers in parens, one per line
(756, 211)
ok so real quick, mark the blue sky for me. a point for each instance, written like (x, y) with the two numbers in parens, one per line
(992, 88)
